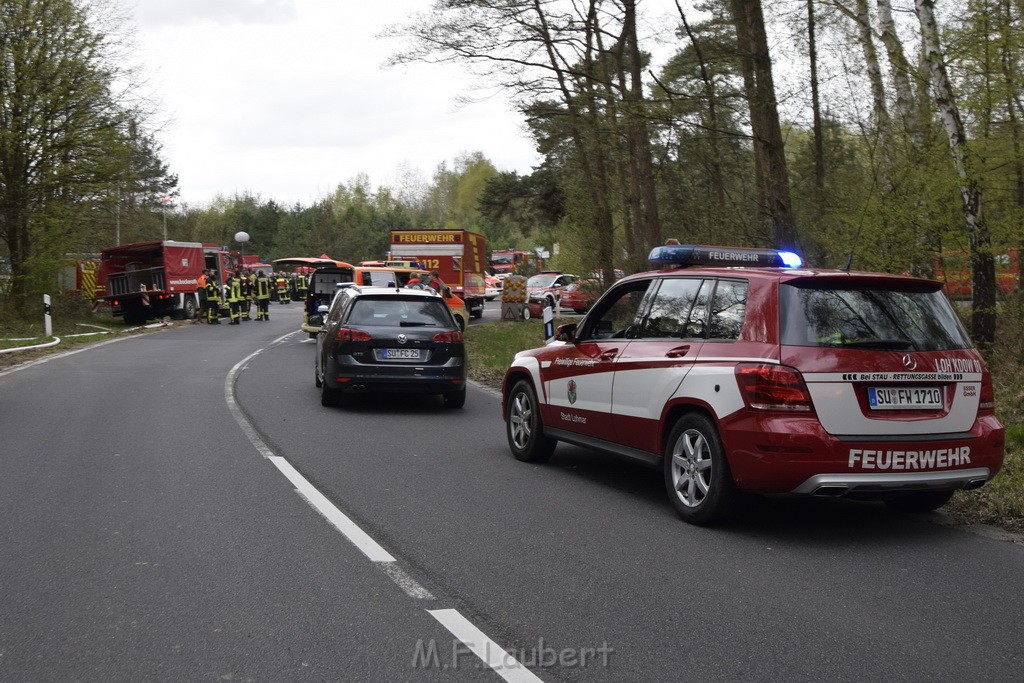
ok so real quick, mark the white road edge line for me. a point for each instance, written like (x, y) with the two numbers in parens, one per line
(318, 501)
(338, 519)
(492, 654)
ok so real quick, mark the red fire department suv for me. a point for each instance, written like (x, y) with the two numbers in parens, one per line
(739, 371)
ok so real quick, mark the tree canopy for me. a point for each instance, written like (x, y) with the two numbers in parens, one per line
(67, 142)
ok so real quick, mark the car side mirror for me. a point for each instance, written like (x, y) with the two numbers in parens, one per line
(316, 320)
(566, 333)
(447, 292)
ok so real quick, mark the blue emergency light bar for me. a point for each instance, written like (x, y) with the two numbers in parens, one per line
(685, 255)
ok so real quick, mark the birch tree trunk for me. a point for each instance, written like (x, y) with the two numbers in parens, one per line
(874, 71)
(1011, 73)
(983, 279)
(899, 67)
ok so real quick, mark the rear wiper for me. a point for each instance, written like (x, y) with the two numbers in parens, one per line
(410, 323)
(893, 344)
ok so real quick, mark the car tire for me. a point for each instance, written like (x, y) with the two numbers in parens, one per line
(329, 398)
(523, 425)
(316, 376)
(697, 475)
(923, 501)
(526, 312)
(455, 399)
(462, 323)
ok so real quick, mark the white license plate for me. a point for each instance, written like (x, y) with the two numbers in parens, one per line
(400, 354)
(904, 398)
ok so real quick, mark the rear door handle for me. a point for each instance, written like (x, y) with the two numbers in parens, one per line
(678, 352)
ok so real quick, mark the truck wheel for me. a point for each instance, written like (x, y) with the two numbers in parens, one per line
(478, 312)
(697, 476)
(523, 425)
(189, 307)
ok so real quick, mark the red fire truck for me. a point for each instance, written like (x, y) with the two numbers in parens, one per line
(507, 260)
(459, 257)
(953, 268)
(148, 280)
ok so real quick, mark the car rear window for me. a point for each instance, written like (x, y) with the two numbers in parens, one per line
(896, 318)
(395, 311)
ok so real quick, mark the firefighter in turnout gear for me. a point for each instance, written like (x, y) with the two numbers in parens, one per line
(284, 295)
(234, 285)
(262, 296)
(247, 293)
(212, 300)
(301, 286)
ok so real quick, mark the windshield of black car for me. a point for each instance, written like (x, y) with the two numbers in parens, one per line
(399, 312)
(869, 317)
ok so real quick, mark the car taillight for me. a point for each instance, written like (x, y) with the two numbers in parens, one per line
(448, 337)
(772, 387)
(348, 334)
(987, 402)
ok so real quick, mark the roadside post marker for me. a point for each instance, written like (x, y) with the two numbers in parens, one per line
(47, 318)
(549, 324)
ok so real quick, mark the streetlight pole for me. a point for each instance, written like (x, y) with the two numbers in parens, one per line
(165, 200)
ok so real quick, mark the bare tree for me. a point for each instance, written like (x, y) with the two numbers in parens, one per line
(550, 56)
(819, 143)
(899, 68)
(769, 151)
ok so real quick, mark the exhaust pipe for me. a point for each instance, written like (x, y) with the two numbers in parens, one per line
(831, 491)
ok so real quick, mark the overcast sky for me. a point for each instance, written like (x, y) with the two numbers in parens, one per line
(286, 99)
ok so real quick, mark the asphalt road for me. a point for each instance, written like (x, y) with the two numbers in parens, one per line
(178, 506)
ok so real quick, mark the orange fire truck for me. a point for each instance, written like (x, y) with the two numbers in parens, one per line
(459, 257)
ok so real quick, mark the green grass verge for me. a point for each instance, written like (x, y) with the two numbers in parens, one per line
(1001, 501)
(492, 346)
(74, 324)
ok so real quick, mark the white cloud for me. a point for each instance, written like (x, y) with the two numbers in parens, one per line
(152, 13)
(289, 99)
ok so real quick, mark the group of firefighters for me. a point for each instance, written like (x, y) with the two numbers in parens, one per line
(241, 291)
